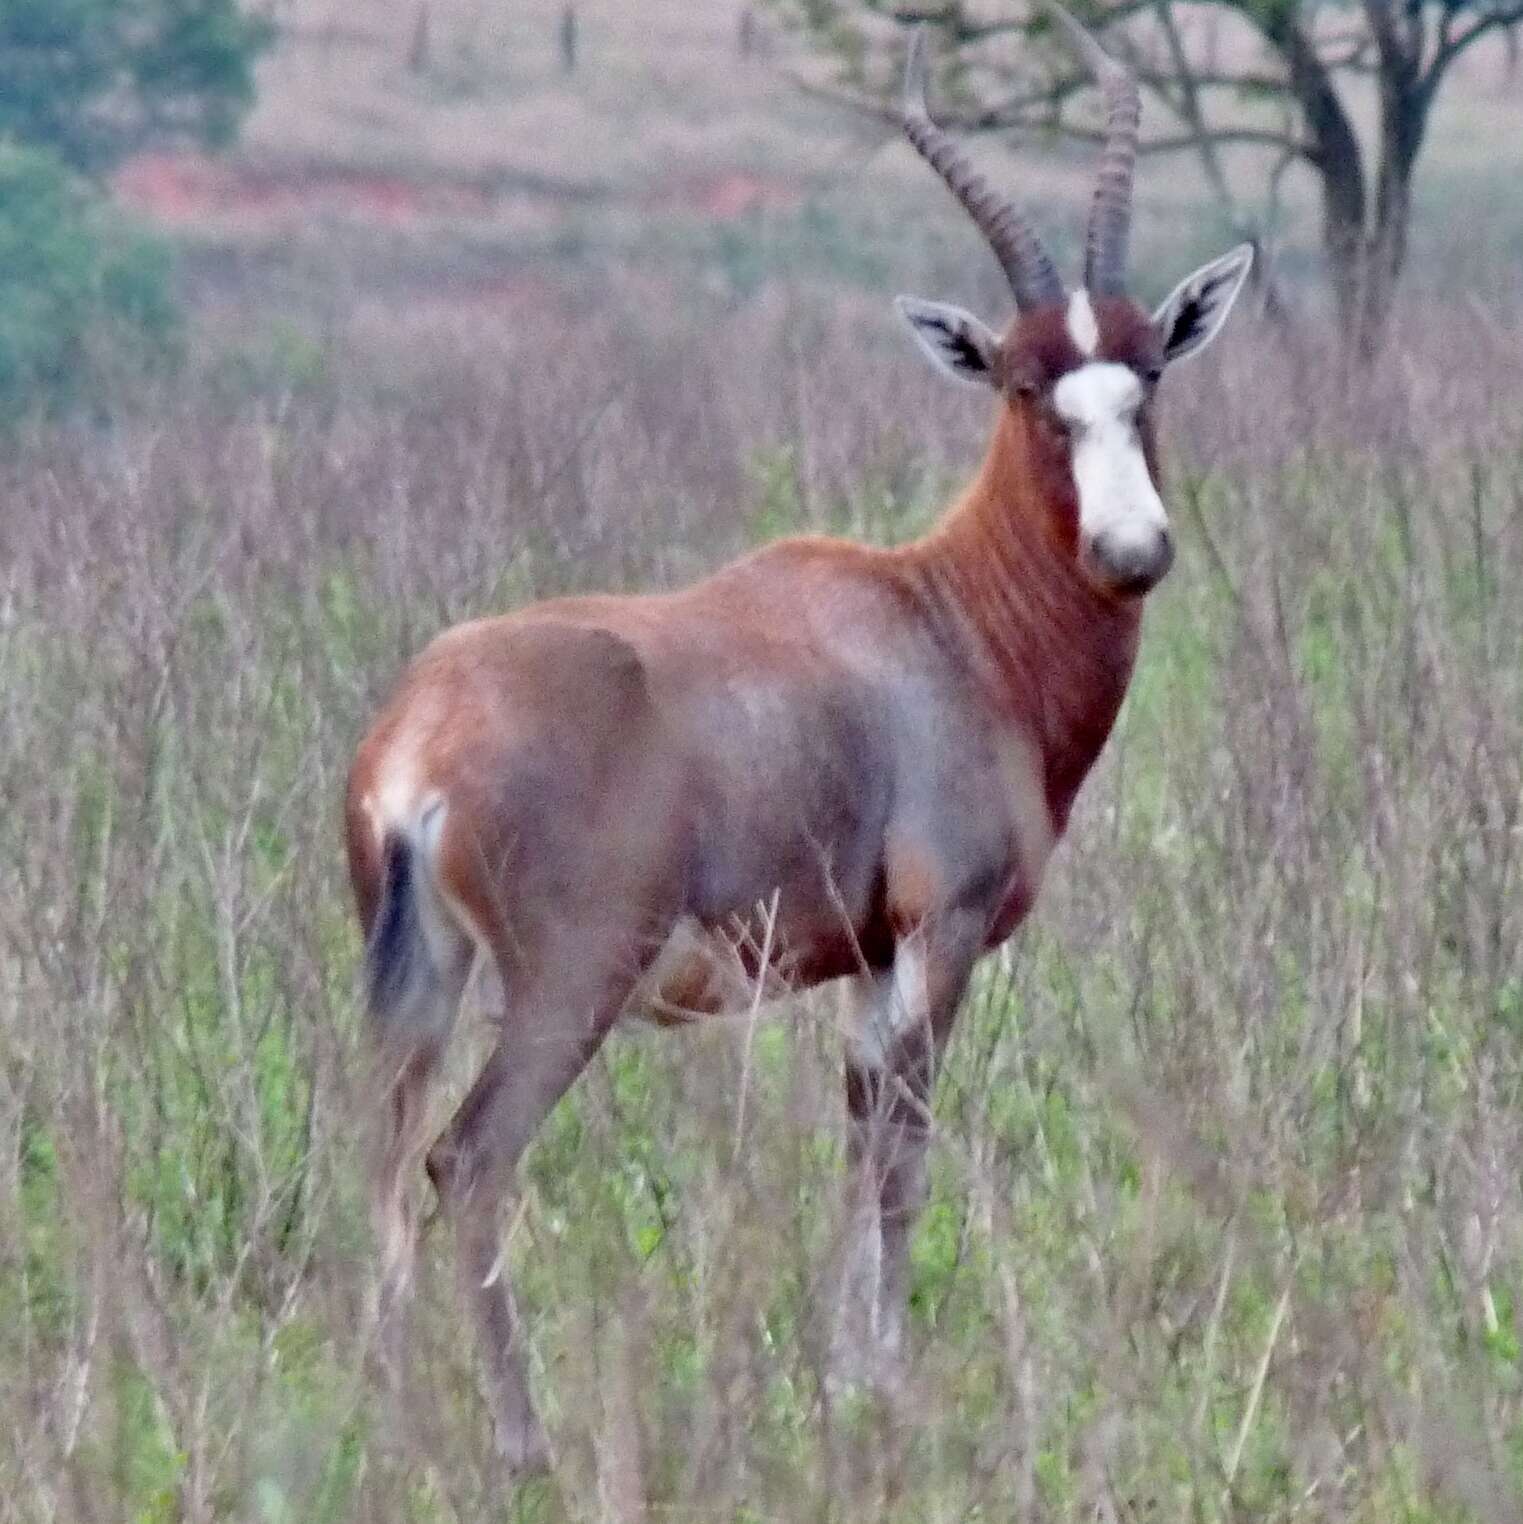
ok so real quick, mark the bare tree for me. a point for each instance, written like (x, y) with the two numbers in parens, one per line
(1285, 91)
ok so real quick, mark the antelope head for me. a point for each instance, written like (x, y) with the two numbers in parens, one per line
(1076, 370)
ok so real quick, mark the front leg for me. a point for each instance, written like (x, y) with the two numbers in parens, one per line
(903, 1017)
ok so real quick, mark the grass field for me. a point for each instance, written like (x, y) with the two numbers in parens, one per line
(1227, 1221)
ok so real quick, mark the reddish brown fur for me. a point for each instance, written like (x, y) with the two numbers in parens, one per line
(882, 744)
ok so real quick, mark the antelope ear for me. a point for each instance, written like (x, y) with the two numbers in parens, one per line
(955, 340)
(1194, 311)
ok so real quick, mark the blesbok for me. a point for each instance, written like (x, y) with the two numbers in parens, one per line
(825, 761)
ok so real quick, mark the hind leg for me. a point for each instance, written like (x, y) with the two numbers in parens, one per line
(408, 1066)
(546, 1042)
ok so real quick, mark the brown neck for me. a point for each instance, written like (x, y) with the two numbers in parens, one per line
(1052, 651)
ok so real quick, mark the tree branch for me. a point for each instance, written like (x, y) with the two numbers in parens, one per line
(1334, 148)
(1383, 28)
(1214, 79)
(1220, 137)
(951, 20)
(1017, 113)
(998, 119)
(1189, 103)
(1452, 44)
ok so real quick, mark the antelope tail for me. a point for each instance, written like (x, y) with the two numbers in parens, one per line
(417, 955)
(397, 959)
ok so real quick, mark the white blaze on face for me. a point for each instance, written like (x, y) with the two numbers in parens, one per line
(1082, 327)
(1117, 498)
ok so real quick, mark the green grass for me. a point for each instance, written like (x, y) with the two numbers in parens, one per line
(1201, 1245)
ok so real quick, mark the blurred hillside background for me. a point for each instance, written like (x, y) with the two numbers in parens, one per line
(443, 151)
(340, 162)
(1228, 1204)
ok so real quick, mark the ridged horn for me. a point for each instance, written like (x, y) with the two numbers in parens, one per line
(1033, 277)
(1110, 216)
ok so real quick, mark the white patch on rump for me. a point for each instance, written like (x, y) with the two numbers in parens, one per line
(390, 804)
(1116, 492)
(1082, 327)
(396, 804)
(396, 801)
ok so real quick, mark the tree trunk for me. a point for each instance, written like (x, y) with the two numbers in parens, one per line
(1336, 158)
(1385, 253)
(1343, 245)
(1403, 122)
